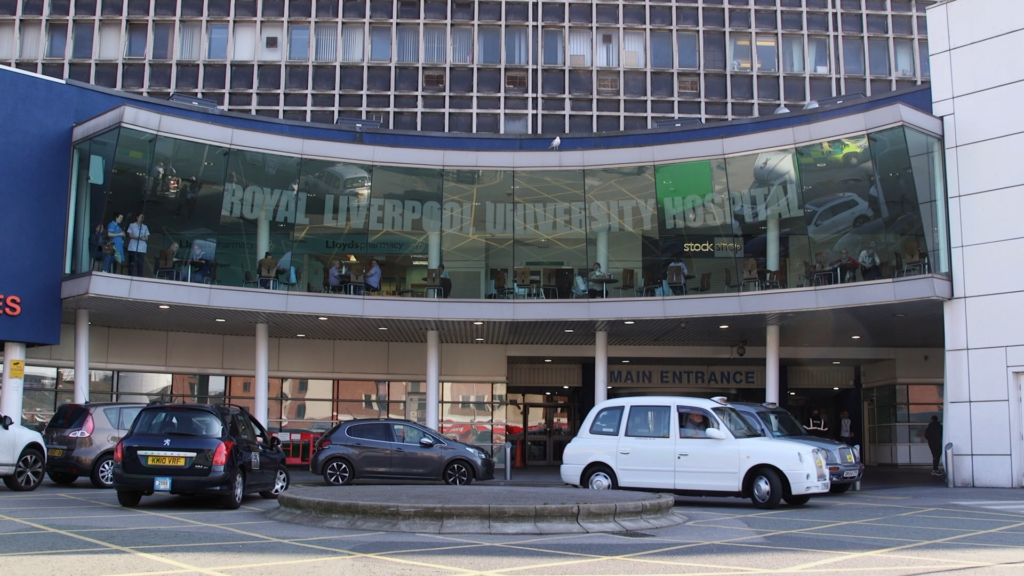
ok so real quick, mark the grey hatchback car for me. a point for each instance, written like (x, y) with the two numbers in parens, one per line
(396, 449)
(843, 462)
(80, 441)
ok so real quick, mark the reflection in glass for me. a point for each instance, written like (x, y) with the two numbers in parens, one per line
(549, 225)
(478, 257)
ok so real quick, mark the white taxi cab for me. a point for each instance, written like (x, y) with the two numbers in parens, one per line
(690, 446)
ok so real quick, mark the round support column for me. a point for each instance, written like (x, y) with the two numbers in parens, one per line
(13, 388)
(262, 391)
(433, 378)
(433, 250)
(772, 237)
(262, 235)
(602, 251)
(771, 364)
(81, 356)
(600, 366)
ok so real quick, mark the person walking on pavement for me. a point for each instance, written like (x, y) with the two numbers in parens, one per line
(816, 424)
(933, 434)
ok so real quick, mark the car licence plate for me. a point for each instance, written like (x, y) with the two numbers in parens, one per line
(162, 484)
(850, 474)
(165, 461)
(55, 452)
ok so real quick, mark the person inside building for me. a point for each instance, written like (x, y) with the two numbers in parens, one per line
(334, 281)
(845, 428)
(373, 277)
(201, 264)
(594, 289)
(846, 267)
(138, 234)
(816, 424)
(116, 236)
(97, 242)
(268, 270)
(933, 434)
(679, 289)
(870, 263)
(445, 281)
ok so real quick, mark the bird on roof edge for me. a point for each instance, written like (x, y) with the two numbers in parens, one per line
(555, 143)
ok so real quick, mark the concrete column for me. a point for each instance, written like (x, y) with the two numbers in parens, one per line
(773, 242)
(433, 377)
(262, 389)
(13, 388)
(81, 356)
(600, 366)
(602, 251)
(433, 249)
(771, 364)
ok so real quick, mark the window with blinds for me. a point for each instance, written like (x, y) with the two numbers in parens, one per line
(516, 46)
(554, 48)
(189, 39)
(435, 44)
(408, 44)
(579, 48)
(326, 47)
(462, 45)
(352, 43)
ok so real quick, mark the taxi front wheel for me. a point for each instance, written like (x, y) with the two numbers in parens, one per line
(766, 489)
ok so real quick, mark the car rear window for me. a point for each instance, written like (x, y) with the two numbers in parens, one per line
(178, 422)
(649, 421)
(69, 416)
(607, 422)
(370, 432)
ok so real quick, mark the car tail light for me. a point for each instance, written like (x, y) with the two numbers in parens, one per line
(119, 452)
(220, 455)
(85, 431)
(322, 443)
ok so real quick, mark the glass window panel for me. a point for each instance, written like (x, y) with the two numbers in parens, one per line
(817, 54)
(661, 49)
(853, 55)
(549, 223)
(298, 42)
(904, 52)
(607, 48)
(554, 47)
(162, 40)
(380, 43)
(623, 216)
(352, 43)
(435, 45)
(244, 42)
(878, 55)
(478, 256)
(408, 44)
(634, 49)
(689, 56)
(57, 41)
(649, 421)
(218, 42)
(763, 186)
(516, 46)
(739, 53)
(792, 54)
(579, 47)
(926, 157)
(489, 41)
(462, 45)
(82, 47)
(767, 55)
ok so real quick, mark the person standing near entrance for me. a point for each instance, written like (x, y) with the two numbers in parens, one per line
(816, 424)
(933, 434)
(137, 245)
(845, 428)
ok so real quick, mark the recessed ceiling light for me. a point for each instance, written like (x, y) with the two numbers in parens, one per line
(164, 306)
(566, 387)
(609, 387)
(478, 323)
(835, 361)
(479, 339)
(855, 337)
(836, 388)
(792, 393)
(629, 322)
(625, 361)
(220, 320)
(724, 326)
(322, 318)
(547, 359)
(547, 393)
(382, 328)
(300, 335)
(568, 330)
(899, 315)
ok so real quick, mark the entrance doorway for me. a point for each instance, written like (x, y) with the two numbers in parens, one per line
(547, 429)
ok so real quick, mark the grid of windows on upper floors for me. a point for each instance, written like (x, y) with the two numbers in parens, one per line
(314, 59)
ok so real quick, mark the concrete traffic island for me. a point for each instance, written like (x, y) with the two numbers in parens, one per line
(475, 509)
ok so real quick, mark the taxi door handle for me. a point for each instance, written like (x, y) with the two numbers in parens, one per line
(623, 451)
(399, 450)
(681, 454)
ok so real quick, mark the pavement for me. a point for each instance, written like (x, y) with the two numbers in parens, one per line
(890, 530)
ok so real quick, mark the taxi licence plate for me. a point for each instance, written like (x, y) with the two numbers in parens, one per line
(850, 474)
(165, 461)
(55, 452)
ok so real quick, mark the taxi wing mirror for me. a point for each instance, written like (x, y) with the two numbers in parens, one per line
(715, 433)
(426, 442)
(275, 442)
(6, 422)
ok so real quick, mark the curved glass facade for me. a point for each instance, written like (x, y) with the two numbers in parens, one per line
(850, 209)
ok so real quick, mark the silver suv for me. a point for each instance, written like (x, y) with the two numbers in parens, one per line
(844, 464)
(21, 456)
(80, 441)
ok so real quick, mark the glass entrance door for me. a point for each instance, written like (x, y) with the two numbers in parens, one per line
(548, 428)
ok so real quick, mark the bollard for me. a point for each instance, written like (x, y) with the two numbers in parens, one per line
(949, 465)
(508, 461)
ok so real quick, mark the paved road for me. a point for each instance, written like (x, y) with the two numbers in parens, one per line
(920, 530)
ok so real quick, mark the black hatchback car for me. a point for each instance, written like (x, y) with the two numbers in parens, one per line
(198, 449)
(396, 449)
